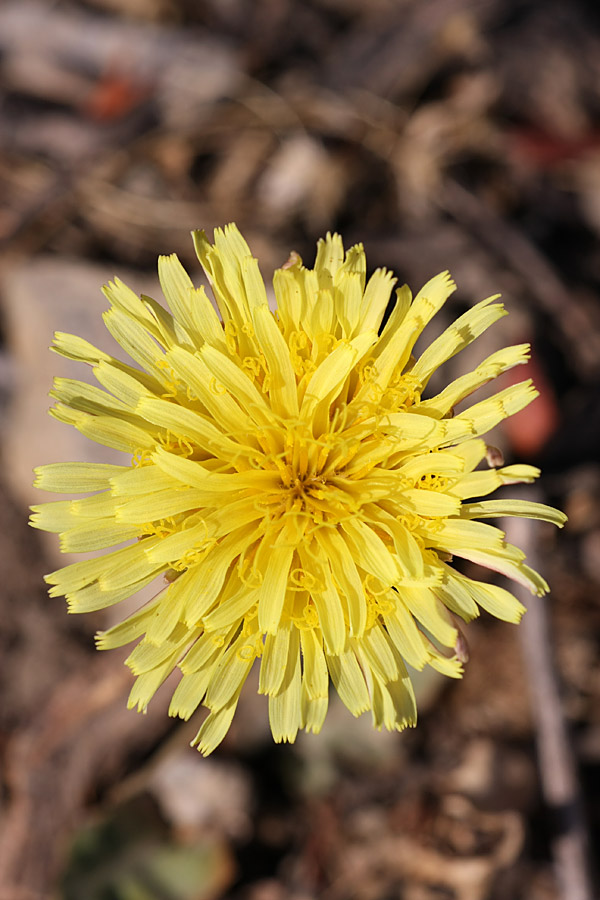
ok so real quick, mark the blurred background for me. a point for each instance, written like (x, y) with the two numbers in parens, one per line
(442, 134)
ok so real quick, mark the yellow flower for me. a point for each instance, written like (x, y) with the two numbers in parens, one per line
(299, 497)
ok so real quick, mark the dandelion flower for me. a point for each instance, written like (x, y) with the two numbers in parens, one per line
(286, 477)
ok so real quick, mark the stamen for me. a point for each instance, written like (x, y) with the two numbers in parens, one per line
(141, 457)
(216, 387)
(231, 332)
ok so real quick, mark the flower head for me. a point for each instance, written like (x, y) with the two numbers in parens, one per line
(300, 498)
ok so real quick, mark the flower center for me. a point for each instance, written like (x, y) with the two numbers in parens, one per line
(308, 468)
(307, 494)
(307, 487)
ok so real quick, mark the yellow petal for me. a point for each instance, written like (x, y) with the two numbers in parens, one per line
(330, 255)
(273, 559)
(378, 654)
(282, 380)
(96, 596)
(124, 386)
(96, 535)
(396, 351)
(73, 347)
(406, 636)
(370, 553)
(274, 660)
(231, 672)
(130, 628)
(456, 337)
(375, 300)
(427, 609)
(315, 675)
(107, 430)
(76, 477)
(488, 509)
(214, 728)
(496, 600)
(146, 685)
(313, 712)
(349, 682)
(238, 384)
(333, 371)
(178, 289)
(285, 712)
(346, 573)
(462, 387)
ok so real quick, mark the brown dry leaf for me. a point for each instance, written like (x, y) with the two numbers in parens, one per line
(58, 759)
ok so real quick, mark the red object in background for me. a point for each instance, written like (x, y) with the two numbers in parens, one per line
(530, 429)
(545, 150)
(115, 94)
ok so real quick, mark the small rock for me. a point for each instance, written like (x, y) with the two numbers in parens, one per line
(39, 297)
(198, 794)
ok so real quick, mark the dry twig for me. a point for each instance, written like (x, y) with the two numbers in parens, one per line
(558, 774)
